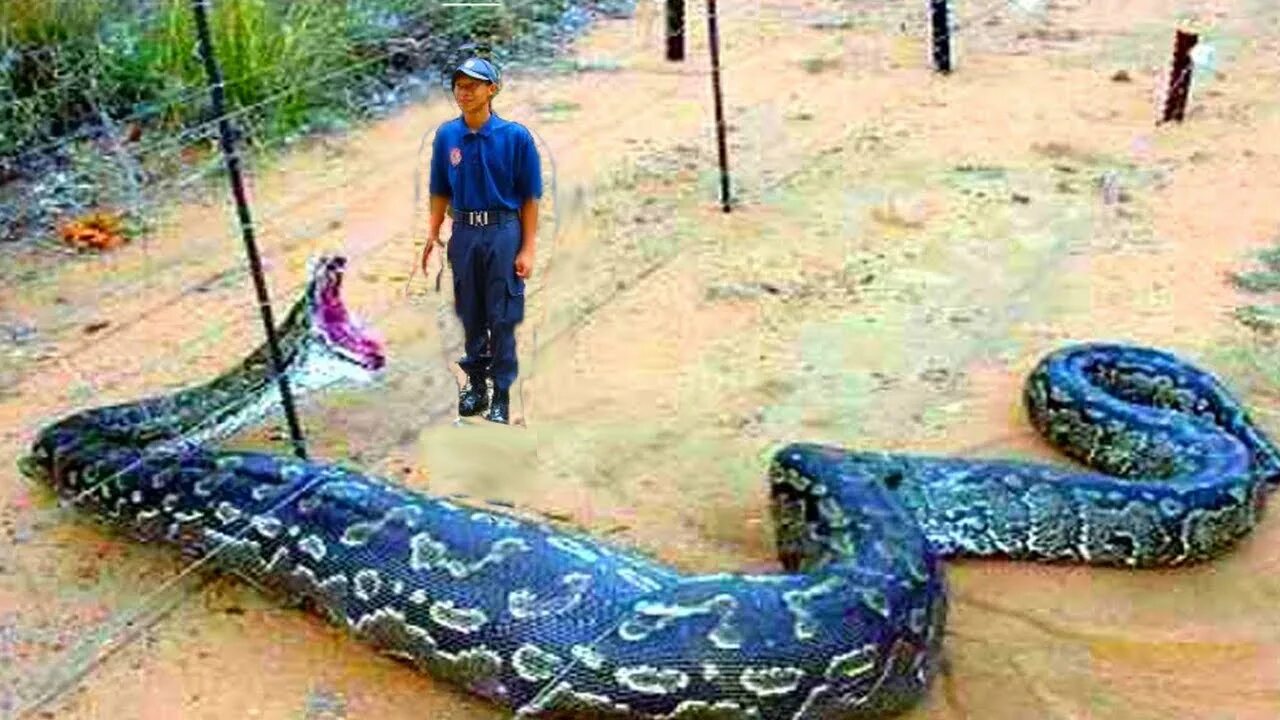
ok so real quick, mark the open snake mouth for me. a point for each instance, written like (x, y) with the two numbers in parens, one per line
(342, 332)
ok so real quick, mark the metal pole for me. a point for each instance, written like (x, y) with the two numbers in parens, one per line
(1175, 105)
(941, 36)
(675, 30)
(714, 36)
(246, 221)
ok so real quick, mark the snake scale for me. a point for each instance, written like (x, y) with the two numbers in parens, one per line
(556, 624)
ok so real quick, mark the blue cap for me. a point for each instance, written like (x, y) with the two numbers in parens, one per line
(478, 68)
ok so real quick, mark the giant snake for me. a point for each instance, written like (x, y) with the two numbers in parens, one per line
(551, 623)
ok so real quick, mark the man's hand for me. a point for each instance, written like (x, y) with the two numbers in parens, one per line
(426, 254)
(524, 264)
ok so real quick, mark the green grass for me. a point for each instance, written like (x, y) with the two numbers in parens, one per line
(1260, 281)
(1271, 258)
(64, 63)
(1263, 318)
(1257, 281)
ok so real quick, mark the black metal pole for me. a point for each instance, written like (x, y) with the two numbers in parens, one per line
(1175, 104)
(714, 37)
(941, 36)
(675, 30)
(246, 221)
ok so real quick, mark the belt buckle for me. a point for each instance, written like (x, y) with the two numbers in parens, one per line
(478, 217)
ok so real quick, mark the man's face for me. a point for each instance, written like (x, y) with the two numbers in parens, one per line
(472, 94)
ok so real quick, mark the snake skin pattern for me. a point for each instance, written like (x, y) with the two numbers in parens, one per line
(554, 624)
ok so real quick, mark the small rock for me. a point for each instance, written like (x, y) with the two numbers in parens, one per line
(1020, 198)
(830, 23)
(1121, 76)
(1110, 184)
(94, 327)
(900, 212)
(325, 704)
(935, 375)
(18, 333)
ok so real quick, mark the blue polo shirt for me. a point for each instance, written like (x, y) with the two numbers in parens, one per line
(495, 167)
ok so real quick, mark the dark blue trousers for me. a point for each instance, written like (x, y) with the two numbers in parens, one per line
(488, 297)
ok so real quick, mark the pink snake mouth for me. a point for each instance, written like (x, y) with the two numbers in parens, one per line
(330, 314)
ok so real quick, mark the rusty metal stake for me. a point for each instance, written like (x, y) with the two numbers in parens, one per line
(941, 36)
(675, 30)
(1175, 104)
(713, 35)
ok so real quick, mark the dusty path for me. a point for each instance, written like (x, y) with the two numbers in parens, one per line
(911, 245)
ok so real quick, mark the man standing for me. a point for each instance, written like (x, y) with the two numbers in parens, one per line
(486, 172)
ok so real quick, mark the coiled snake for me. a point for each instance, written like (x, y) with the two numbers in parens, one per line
(556, 624)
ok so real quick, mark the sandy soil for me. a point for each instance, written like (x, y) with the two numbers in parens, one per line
(907, 247)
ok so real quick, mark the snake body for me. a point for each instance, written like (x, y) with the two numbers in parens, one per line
(552, 623)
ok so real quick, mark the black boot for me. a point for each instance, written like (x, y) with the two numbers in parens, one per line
(474, 398)
(501, 410)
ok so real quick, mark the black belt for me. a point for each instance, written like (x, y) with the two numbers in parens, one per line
(481, 218)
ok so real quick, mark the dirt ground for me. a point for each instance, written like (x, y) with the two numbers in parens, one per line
(906, 247)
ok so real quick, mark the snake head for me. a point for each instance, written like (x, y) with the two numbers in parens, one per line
(33, 468)
(340, 331)
(43, 464)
